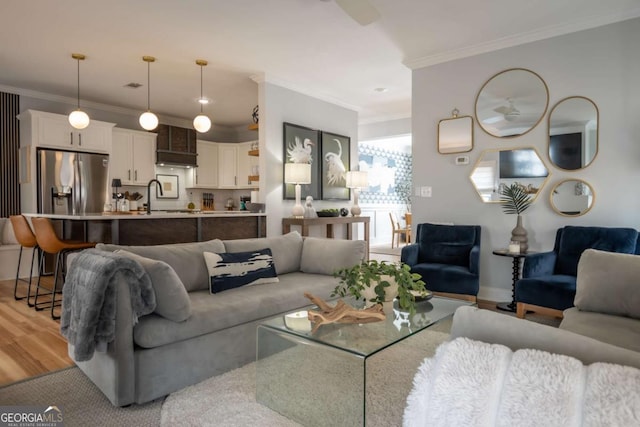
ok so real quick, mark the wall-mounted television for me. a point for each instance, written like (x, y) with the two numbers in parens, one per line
(522, 163)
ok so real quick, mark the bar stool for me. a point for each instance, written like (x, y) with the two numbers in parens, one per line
(51, 244)
(26, 239)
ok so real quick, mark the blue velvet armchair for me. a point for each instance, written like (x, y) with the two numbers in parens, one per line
(448, 259)
(548, 284)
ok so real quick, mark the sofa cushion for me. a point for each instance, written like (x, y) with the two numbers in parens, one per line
(172, 300)
(233, 307)
(232, 270)
(555, 291)
(324, 256)
(608, 283)
(185, 258)
(575, 240)
(286, 249)
(619, 331)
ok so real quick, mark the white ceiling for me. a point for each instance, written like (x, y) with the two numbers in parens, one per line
(310, 46)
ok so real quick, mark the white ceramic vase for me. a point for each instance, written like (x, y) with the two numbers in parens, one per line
(390, 293)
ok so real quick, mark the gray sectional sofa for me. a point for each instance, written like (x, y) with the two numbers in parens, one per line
(604, 325)
(158, 355)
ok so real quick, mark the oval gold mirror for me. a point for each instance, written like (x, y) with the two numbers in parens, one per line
(511, 103)
(455, 135)
(572, 197)
(573, 133)
(502, 167)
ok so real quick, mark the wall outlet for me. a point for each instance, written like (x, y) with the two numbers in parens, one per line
(425, 192)
(462, 160)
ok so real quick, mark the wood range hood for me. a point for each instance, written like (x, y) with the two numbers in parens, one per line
(176, 146)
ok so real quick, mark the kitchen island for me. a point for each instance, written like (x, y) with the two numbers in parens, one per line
(157, 228)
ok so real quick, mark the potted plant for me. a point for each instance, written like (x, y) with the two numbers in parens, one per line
(377, 282)
(515, 200)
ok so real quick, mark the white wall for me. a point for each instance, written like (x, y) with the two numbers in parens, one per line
(385, 129)
(278, 105)
(602, 64)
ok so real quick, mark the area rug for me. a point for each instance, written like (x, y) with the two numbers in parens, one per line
(81, 402)
(229, 400)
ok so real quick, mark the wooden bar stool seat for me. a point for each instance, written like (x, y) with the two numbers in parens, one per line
(26, 239)
(49, 242)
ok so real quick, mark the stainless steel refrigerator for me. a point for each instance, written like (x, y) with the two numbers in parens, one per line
(71, 183)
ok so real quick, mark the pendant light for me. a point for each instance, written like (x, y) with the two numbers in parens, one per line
(201, 123)
(148, 120)
(78, 118)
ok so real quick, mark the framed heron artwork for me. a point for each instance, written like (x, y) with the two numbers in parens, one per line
(301, 145)
(335, 164)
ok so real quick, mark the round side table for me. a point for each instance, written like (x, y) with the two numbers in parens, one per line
(511, 306)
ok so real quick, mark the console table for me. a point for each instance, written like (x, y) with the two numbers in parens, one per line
(328, 223)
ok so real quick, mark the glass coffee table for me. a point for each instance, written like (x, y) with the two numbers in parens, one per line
(321, 378)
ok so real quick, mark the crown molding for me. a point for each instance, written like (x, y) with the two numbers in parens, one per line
(519, 39)
(263, 78)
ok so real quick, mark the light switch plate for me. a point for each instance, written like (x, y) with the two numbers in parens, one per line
(425, 192)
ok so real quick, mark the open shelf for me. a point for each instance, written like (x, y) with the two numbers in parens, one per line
(253, 126)
(255, 153)
(254, 178)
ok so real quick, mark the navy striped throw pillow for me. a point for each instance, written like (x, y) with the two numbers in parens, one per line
(232, 270)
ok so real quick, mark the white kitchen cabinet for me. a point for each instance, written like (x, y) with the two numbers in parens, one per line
(53, 130)
(227, 165)
(133, 156)
(206, 174)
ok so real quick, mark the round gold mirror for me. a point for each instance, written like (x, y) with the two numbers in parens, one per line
(572, 197)
(573, 133)
(511, 103)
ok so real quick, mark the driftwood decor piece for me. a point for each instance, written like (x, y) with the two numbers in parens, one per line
(341, 313)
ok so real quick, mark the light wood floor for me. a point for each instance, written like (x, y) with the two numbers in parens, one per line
(30, 340)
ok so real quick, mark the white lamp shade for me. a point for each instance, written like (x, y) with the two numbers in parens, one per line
(357, 179)
(148, 120)
(297, 173)
(79, 119)
(202, 123)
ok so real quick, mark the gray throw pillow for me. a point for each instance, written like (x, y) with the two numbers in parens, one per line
(172, 300)
(286, 249)
(324, 256)
(185, 258)
(608, 283)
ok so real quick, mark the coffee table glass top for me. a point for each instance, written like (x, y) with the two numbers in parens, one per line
(368, 338)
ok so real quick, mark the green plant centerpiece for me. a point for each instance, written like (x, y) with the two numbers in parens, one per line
(356, 281)
(515, 200)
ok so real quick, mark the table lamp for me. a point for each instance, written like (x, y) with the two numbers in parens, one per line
(357, 180)
(297, 173)
(116, 183)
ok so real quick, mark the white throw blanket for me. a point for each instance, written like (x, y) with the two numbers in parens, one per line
(471, 383)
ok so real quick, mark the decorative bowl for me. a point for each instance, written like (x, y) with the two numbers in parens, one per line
(327, 214)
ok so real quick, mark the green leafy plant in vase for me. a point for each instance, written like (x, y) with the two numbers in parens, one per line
(386, 280)
(515, 200)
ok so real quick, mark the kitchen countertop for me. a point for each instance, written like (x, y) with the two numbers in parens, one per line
(143, 215)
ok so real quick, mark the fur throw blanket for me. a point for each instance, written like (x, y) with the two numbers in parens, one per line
(473, 383)
(88, 319)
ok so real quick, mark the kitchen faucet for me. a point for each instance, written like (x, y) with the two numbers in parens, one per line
(149, 193)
